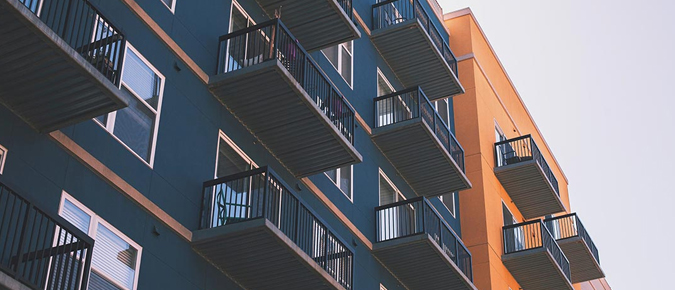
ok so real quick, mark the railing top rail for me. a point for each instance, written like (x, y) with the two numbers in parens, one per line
(513, 226)
(515, 139)
(61, 222)
(398, 203)
(250, 29)
(561, 217)
(398, 93)
(236, 176)
(445, 223)
(387, 2)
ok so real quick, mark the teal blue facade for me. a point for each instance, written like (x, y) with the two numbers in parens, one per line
(186, 146)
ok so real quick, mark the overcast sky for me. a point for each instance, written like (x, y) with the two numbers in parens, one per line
(598, 77)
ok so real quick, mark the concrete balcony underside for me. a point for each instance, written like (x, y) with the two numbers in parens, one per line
(43, 80)
(415, 60)
(583, 265)
(259, 256)
(420, 263)
(536, 269)
(8, 282)
(270, 103)
(420, 158)
(316, 23)
(530, 189)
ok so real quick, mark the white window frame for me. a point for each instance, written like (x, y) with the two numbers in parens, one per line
(242, 154)
(338, 67)
(173, 6)
(338, 173)
(110, 122)
(94, 221)
(3, 158)
(454, 203)
(447, 110)
(386, 178)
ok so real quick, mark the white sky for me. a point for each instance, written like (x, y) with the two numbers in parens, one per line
(598, 78)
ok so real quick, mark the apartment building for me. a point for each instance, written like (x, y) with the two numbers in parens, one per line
(242, 144)
(517, 219)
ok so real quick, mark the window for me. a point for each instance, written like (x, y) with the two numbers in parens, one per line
(509, 219)
(449, 202)
(136, 125)
(3, 157)
(116, 259)
(388, 192)
(383, 86)
(341, 57)
(171, 4)
(443, 111)
(504, 150)
(231, 159)
(342, 177)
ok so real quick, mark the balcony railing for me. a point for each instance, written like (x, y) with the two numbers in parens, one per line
(86, 30)
(273, 41)
(41, 250)
(534, 235)
(259, 193)
(570, 226)
(392, 12)
(347, 7)
(523, 149)
(417, 216)
(412, 104)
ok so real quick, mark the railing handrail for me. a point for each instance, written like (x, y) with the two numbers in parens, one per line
(514, 139)
(398, 203)
(346, 118)
(422, 97)
(445, 223)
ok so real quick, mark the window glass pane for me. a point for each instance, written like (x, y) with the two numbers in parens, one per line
(449, 201)
(348, 46)
(141, 79)
(134, 125)
(387, 193)
(346, 66)
(332, 55)
(332, 174)
(239, 20)
(229, 161)
(75, 216)
(382, 86)
(346, 180)
(168, 3)
(114, 258)
(442, 107)
(508, 217)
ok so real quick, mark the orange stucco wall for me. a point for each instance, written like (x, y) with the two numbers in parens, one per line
(490, 98)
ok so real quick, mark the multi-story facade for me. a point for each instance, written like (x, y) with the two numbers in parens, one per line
(238, 144)
(517, 220)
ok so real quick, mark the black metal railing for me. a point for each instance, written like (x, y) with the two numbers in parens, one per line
(570, 226)
(412, 104)
(273, 41)
(392, 12)
(523, 149)
(346, 7)
(41, 250)
(417, 216)
(259, 193)
(533, 235)
(86, 30)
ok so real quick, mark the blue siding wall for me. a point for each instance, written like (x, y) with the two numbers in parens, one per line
(186, 149)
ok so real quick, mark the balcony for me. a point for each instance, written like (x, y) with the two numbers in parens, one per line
(414, 138)
(270, 83)
(527, 178)
(418, 246)
(534, 258)
(316, 24)
(40, 251)
(414, 49)
(60, 62)
(257, 230)
(577, 245)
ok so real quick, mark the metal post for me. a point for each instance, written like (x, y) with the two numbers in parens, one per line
(21, 238)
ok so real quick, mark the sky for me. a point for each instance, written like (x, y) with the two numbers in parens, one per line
(597, 76)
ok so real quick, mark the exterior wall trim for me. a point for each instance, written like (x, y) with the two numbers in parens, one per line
(118, 183)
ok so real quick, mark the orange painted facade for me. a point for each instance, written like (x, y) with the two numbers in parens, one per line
(491, 100)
